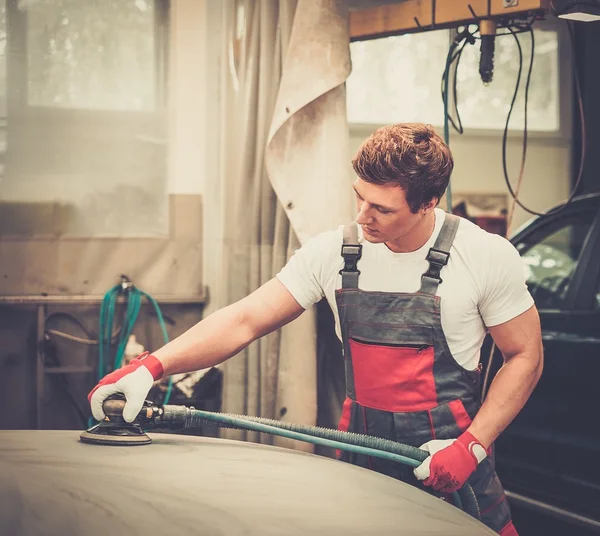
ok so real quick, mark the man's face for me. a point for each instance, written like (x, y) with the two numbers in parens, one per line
(383, 212)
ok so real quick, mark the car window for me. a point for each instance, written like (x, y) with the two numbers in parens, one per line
(550, 255)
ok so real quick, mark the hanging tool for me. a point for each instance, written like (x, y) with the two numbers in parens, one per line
(487, 29)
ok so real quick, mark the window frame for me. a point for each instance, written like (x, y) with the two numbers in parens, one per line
(565, 97)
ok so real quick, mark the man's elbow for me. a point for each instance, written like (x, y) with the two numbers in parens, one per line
(532, 362)
(253, 322)
(242, 325)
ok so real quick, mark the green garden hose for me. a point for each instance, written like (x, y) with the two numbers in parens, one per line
(133, 296)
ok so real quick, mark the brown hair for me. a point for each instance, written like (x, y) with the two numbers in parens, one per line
(410, 155)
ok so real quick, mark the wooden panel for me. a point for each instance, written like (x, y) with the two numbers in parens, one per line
(396, 18)
(497, 6)
(458, 10)
(169, 265)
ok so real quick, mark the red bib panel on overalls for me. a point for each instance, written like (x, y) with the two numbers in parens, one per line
(402, 382)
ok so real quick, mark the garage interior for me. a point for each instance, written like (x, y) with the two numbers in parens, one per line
(163, 159)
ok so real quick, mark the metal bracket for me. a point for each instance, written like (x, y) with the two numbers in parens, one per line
(510, 3)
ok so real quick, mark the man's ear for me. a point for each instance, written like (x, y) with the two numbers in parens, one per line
(428, 207)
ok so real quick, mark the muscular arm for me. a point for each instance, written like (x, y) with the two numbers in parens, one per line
(226, 332)
(520, 342)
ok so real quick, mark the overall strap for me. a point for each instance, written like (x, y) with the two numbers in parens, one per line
(439, 254)
(351, 251)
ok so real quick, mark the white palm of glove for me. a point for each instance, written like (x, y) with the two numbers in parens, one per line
(134, 386)
(133, 380)
(423, 471)
(450, 462)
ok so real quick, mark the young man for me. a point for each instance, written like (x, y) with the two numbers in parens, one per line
(413, 294)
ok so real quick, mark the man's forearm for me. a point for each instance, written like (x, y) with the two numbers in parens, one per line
(211, 341)
(507, 395)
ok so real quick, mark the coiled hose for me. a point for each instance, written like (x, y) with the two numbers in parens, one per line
(464, 499)
(133, 297)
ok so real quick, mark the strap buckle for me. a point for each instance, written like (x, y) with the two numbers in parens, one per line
(351, 254)
(437, 260)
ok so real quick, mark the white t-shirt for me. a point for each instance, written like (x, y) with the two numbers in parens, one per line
(483, 282)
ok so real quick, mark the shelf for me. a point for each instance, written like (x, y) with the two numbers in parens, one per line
(43, 299)
(68, 370)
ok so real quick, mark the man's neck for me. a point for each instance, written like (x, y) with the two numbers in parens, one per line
(416, 238)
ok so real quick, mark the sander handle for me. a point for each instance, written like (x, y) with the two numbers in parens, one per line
(113, 407)
(150, 416)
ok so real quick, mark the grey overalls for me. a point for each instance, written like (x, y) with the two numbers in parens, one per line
(402, 382)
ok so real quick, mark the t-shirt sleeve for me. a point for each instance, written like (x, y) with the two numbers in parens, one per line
(505, 294)
(305, 272)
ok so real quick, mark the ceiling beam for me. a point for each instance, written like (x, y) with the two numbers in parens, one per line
(412, 16)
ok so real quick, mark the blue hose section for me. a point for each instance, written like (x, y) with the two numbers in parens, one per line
(464, 498)
(133, 297)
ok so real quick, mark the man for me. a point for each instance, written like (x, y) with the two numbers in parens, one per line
(413, 294)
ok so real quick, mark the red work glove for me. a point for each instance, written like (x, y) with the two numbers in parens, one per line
(133, 380)
(451, 462)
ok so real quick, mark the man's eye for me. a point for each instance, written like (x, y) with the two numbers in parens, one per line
(382, 211)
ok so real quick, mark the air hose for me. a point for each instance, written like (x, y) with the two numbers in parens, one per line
(133, 296)
(464, 498)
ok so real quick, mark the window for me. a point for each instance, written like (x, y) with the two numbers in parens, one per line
(550, 255)
(85, 143)
(388, 83)
(398, 79)
(91, 55)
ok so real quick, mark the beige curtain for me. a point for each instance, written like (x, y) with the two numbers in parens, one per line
(268, 123)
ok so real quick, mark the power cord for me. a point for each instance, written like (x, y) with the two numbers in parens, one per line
(512, 192)
(453, 60)
(453, 56)
(515, 193)
(89, 340)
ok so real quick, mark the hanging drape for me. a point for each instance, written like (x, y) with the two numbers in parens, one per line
(284, 158)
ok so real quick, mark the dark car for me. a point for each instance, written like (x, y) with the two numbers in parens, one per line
(549, 457)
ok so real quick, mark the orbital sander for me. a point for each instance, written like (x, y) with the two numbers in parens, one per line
(115, 430)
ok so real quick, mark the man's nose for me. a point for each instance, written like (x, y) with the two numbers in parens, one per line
(364, 217)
